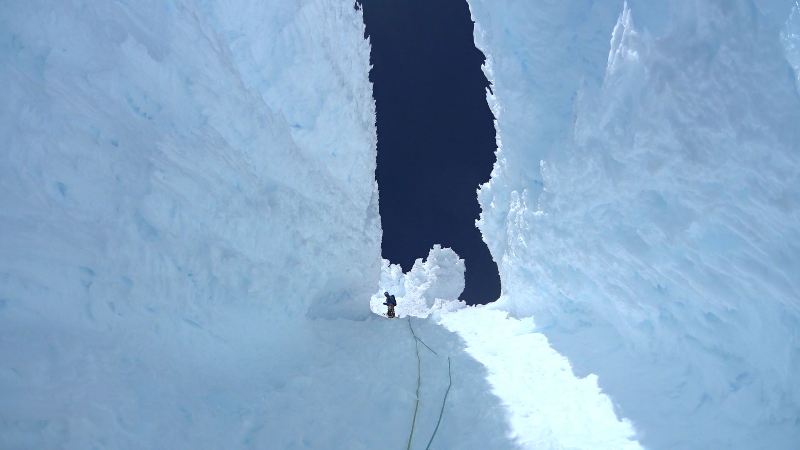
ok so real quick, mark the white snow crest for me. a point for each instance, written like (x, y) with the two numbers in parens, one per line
(623, 41)
(440, 275)
(429, 285)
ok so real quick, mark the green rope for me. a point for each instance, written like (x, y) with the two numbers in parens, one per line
(418, 339)
(416, 406)
(444, 401)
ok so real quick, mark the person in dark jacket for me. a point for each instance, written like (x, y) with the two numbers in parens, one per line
(390, 303)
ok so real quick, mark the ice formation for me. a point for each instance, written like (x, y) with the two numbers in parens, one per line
(434, 281)
(644, 206)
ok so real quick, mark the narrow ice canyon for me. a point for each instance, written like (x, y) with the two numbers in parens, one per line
(190, 238)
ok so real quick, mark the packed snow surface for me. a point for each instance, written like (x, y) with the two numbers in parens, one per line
(645, 204)
(177, 156)
(549, 407)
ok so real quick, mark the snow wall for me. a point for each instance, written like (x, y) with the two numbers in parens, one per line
(645, 204)
(182, 156)
(179, 180)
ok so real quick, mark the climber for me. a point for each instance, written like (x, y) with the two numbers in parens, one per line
(390, 303)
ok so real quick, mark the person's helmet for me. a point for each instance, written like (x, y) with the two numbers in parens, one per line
(386, 294)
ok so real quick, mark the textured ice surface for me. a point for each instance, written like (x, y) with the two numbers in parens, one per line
(177, 179)
(645, 205)
(791, 40)
(181, 155)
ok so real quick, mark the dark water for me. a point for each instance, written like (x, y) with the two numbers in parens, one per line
(436, 137)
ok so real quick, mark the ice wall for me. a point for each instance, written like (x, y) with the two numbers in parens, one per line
(645, 205)
(182, 184)
(178, 156)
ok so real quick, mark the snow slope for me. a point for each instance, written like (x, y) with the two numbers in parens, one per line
(548, 406)
(645, 207)
(255, 382)
(189, 240)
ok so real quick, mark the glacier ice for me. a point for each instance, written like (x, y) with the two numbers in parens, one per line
(189, 149)
(182, 184)
(791, 39)
(644, 205)
(440, 276)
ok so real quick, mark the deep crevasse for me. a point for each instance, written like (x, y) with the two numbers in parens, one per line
(644, 206)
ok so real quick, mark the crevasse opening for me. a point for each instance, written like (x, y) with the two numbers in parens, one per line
(435, 136)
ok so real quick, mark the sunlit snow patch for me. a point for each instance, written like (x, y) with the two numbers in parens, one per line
(548, 406)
